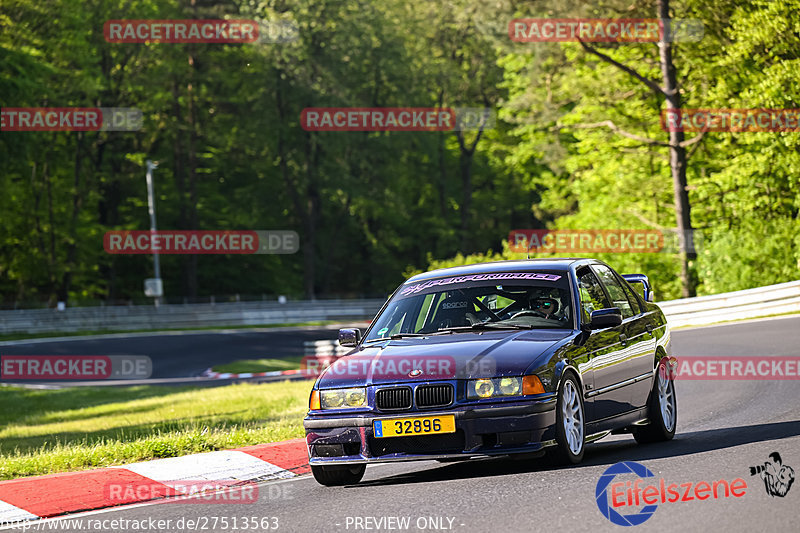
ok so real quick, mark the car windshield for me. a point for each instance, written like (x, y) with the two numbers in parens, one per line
(516, 300)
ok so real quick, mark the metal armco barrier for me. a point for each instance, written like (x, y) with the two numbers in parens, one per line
(325, 347)
(750, 303)
(185, 316)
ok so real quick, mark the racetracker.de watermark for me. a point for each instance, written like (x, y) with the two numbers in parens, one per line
(177, 242)
(210, 31)
(214, 522)
(392, 367)
(733, 368)
(75, 367)
(731, 120)
(70, 119)
(599, 30)
(397, 118)
(188, 491)
(596, 241)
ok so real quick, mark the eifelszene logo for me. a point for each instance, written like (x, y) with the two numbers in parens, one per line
(778, 477)
(601, 494)
(629, 495)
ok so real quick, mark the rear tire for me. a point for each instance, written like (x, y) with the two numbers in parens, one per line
(570, 423)
(662, 409)
(338, 475)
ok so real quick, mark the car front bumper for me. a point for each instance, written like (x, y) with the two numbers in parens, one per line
(518, 427)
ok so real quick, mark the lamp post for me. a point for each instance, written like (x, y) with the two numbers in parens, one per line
(158, 290)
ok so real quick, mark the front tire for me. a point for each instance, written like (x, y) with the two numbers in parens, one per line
(570, 422)
(338, 475)
(662, 409)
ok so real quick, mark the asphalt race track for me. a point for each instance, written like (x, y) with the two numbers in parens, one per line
(724, 427)
(182, 354)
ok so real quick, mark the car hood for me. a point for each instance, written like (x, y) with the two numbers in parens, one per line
(457, 356)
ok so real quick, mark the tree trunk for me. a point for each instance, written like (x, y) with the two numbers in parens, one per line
(442, 182)
(466, 153)
(179, 174)
(190, 263)
(52, 259)
(190, 271)
(677, 153)
(465, 166)
(312, 215)
(70, 266)
(304, 212)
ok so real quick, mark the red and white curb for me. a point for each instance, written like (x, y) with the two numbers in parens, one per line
(52, 495)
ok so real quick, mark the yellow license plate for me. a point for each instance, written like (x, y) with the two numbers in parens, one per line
(404, 427)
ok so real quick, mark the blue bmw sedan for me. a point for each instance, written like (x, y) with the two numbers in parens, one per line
(494, 359)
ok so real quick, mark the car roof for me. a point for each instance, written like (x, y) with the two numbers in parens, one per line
(524, 265)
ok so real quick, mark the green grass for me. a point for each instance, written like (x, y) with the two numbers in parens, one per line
(47, 431)
(25, 336)
(258, 365)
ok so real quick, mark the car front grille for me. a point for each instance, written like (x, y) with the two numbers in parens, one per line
(393, 399)
(434, 395)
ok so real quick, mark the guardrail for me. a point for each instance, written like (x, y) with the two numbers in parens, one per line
(750, 303)
(703, 310)
(325, 347)
(137, 317)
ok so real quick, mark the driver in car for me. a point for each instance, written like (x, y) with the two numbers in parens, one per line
(547, 307)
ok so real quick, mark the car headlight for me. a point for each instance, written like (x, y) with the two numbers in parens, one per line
(342, 398)
(500, 387)
(509, 386)
(483, 388)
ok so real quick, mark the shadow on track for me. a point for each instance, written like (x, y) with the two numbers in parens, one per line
(601, 453)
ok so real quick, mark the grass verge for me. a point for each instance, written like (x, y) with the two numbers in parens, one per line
(46, 431)
(258, 365)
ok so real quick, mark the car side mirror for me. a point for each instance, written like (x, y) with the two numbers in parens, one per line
(605, 318)
(641, 284)
(349, 336)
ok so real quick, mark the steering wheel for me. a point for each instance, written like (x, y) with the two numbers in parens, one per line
(529, 312)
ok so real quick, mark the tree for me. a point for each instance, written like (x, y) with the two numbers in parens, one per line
(670, 91)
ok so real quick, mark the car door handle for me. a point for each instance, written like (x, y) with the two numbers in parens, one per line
(623, 339)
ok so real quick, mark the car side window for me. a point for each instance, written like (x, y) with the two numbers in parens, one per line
(592, 295)
(615, 290)
(637, 309)
(394, 322)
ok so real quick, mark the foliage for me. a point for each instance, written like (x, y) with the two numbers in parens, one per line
(371, 207)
